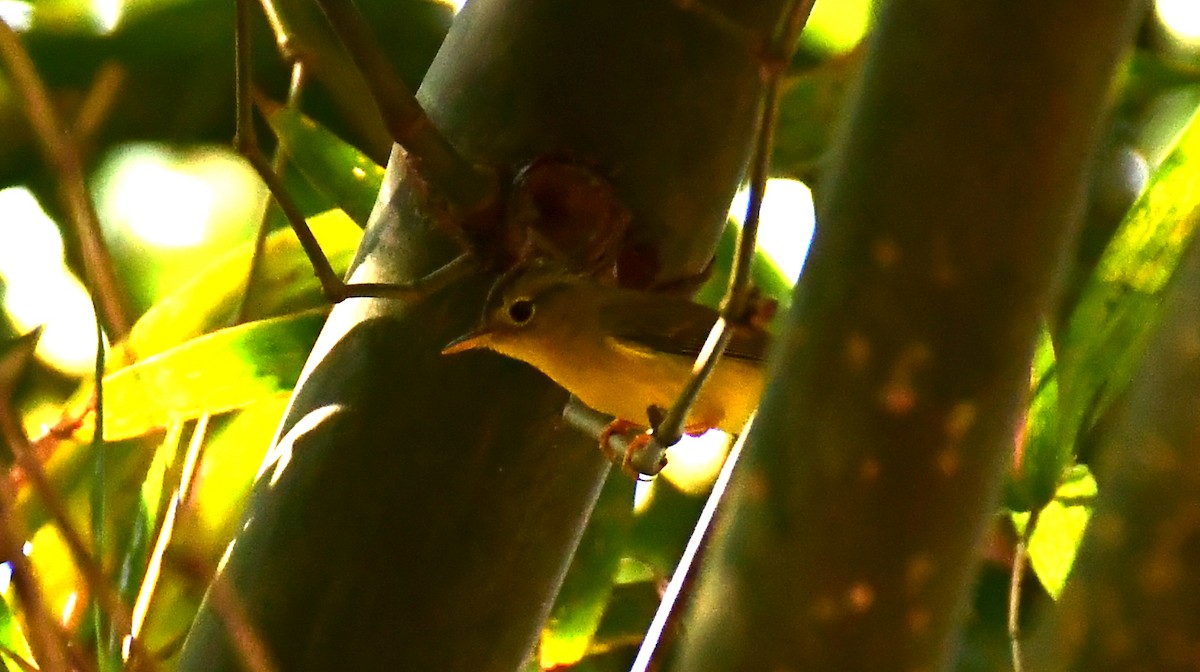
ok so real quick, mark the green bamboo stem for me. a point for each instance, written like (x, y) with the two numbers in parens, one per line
(874, 466)
(420, 511)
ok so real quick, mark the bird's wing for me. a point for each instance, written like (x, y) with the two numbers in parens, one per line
(670, 324)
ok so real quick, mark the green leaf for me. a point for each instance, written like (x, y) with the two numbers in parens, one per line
(333, 166)
(809, 112)
(628, 616)
(228, 369)
(232, 457)
(12, 639)
(1038, 459)
(1059, 531)
(589, 582)
(286, 284)
(1106, 335)
(661, 530)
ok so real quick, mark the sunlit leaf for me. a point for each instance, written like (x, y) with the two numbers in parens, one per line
(1106, 335)
(286, 284)
(63, 589)
(12, 638)
(337, 168)
(228, 369)
(1060, 528)
(232, 457)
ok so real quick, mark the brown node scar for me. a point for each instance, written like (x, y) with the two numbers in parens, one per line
(567, 210)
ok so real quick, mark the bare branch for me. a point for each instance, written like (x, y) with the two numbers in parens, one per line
(61, 154)
(467, 187)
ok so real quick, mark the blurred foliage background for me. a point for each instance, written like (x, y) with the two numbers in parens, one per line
(147, 86)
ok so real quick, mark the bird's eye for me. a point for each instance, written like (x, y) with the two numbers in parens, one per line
(520, 311)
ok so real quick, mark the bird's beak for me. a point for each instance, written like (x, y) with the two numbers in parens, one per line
(472, 340)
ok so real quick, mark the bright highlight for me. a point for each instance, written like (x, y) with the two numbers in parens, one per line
(38, 289)
(786, 223)
(1181, 18)
(18, 15)
(146, 193)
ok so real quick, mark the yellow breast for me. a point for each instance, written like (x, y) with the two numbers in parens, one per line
(624, 380)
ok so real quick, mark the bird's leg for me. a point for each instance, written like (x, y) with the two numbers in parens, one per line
(617, 427)
(633, 451)
(628, 459)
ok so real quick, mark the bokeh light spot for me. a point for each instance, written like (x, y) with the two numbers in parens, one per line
(786, 223)
(31, 240)
(18, 15)
(1181, 18)
(836, 26)
(146, 193)
(107, 14)
(693, 464)
(38, 289)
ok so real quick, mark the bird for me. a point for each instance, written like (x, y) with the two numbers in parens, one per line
(624, 352)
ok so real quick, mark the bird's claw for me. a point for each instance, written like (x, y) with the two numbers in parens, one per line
(634, 447)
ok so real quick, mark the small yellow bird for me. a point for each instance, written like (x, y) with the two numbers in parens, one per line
(620, 351)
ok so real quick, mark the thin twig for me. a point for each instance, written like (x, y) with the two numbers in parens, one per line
(593, 423)
(737, 299)
(671, 608)
(334, 288)
(468, 187)
(278, 166)
(1017, 579)
(93, 576)
(46, 638)
(61, 154)
(97, 104)
(737, 31)
(247, 641)
(166, 526)
(302, 33)
(17, 659)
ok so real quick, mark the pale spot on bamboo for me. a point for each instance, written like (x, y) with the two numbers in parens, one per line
(858, 352)
(1160, 574)
(756, 486)
(885, 252)
(899, 399)
(917, 572)
(960, 420)
(869, 472)
(1157, 454)
(1189, 344)
(899, 396)
(945, 272)
(860, 597)
(1117, 642)
(949, 461)
(824, 609)
(918, 619)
